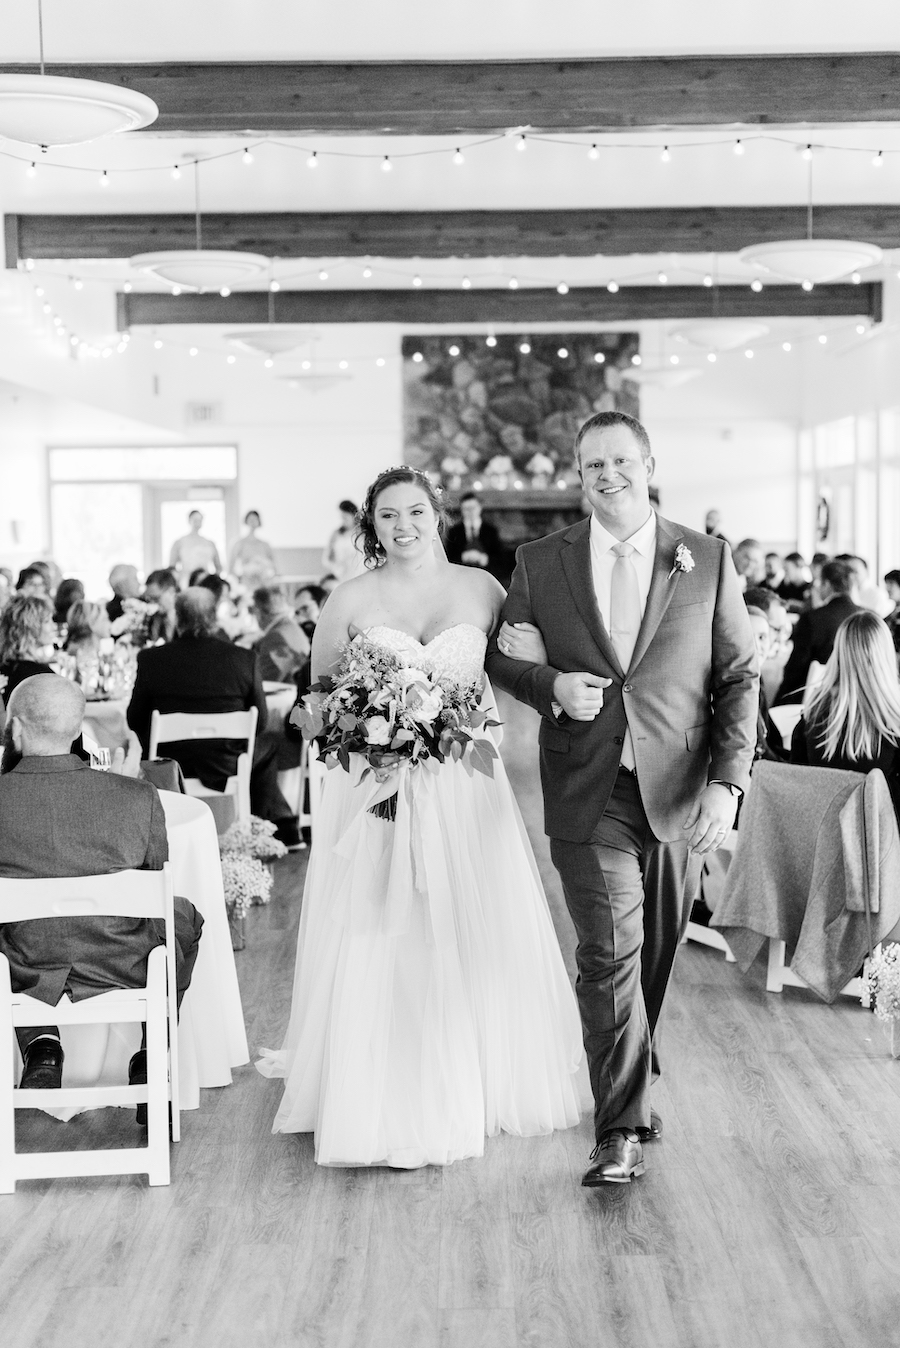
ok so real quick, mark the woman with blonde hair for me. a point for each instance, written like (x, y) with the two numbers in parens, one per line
(853, 719)
(86, 625)
(27, 634)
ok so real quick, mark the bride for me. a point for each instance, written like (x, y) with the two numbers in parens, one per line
(431, 1005)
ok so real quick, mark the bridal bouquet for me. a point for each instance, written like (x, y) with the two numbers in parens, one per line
(390, 713)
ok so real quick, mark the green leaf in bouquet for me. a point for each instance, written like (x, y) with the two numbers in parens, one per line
(347, 722)
(402, 737)
(482, 755)
(344, 758)
(477, 718)
(456, 750)
(309, 721)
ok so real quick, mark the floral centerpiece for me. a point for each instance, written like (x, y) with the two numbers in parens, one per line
(882, 990)
(133, 626)
(393, 713)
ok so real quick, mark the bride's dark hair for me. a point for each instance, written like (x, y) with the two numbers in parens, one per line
(365, 518)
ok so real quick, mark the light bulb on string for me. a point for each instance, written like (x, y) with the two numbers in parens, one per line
(176, 290)
(525, 348)
(663, 279)
(612, 287)
(490, 340)
(521, 143)
(562, 288)
(380, 361)
(453, 350)
(104, 179)
(225, 291)
(417, 281)
(860, 329)
(367, 272)
(343, 364)
(193, 351)
(229, 360)
(878, 161)
(466, 283)
(674, 360)
(306, 365)
(635, 359)
(738, 147)
(856, 278)
(157, 345)
(593, 153)
(707, 280)
(711, 357)
(246, 157)
(386, 164)
(513, 283)
(600, 357)
(785, 346)
(29, 264)
(563, 353)
(31, 171)
(665, 156)
(459, 157)
(40, 292)
(176, 172)
(806, 153)
(756, 285)
(323, 275)
(46, 308)
(822, 339)
(274, 287)
(126, 287)
(268, 362)
(749, 353)
(313, 160)
(418, 357)
(77, 282)
(806, 285)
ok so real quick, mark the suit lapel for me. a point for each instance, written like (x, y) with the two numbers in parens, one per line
(576, 562)
(661, 587)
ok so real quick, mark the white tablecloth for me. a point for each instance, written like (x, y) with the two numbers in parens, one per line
(211, 1035)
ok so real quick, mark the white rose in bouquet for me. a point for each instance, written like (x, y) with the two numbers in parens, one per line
(378, 730)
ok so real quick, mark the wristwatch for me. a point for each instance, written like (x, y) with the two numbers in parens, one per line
(730, 786)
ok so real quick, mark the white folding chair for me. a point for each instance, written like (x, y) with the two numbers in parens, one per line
(123, 894)
(227, 725)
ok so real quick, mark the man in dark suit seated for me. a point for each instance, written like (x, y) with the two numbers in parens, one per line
(198, 673)
(816, 629)
(283, 648)
(62, 819)
(474, 542)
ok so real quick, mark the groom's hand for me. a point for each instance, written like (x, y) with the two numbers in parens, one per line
(711, 819)
(580, 695)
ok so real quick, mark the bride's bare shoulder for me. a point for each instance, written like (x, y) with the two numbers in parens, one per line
(478, 587)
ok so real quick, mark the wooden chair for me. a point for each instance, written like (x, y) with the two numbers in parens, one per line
(228, 725)
(123, 894)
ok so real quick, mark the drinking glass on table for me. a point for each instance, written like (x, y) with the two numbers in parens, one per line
(100, 758)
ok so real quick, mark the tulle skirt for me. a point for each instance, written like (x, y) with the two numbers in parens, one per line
(431, 1005)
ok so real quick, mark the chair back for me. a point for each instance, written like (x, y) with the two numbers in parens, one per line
(188, 725)
(122, 894)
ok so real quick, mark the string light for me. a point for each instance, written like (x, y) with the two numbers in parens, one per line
(342, 364)
(31, 171)
(192, 351)
(860, 329)
(29, 264)
(878, 161)
(707, 280)
(176, 172)
(593, 152)
(418, 357)
(822, 339)
(663, 279)
(525, 348)
(246, 157)
(612, 287)
(748, 353)
(313, 160)
(806, 285)
(562, 288)
(599, 357)
(386, 164)
(104, 179)
(39, 291)
(307, 364)
(711, 357)
(157, 345)
(513, 283)
(77, 283)
(466, 283)
(521, 143)
(268, 362)
(674, 360)
(323, 275)
(738, 147)
(380, 361)
(563, 353)
(229, 360)
(806, 153)
(665, 156)
(785, 346)
(46, 308)
(491, 340)
(756, 285)
(459, 157)
(367, 272)
(176, 290)
(417, 281)
(856, 278)
(274, 287)
(635, 359)
(454, 350)
(225, 292)
(126, 287)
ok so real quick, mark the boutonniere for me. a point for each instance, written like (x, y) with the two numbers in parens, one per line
(683, 561)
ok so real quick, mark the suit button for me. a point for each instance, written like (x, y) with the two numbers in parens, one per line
(627, 688)
(617, 739)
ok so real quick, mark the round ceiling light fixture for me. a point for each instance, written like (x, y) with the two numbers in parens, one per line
(201, 269)
(58, 110)
(815, 260)
(274, 340)
(662, 376)
(721, 334)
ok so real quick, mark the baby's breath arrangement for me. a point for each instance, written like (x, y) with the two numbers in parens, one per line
(246, 882)
(255, 839)
(883, 987)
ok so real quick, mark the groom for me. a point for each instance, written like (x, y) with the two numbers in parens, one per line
(648, 702)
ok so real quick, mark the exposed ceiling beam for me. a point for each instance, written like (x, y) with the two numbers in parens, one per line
(527, 305)
(409, 234)
(449, 97)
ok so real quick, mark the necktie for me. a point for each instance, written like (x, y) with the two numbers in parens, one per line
(624, 621)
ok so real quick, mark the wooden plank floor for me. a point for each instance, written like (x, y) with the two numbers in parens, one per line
(770, 1212)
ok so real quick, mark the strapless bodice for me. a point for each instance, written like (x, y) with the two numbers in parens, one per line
(456, 654)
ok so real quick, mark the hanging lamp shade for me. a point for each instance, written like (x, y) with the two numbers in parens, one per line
(274, 340)
(815, 260)
(721, 334)
(58, 110)
(201, 269)
(662, 376)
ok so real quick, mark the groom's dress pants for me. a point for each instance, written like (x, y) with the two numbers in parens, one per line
(629, 896)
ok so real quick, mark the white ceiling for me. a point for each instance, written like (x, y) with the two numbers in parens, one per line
(280, 30)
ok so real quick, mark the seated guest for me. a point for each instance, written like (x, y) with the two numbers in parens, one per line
(750, 562)
(87, 625)
(307, 607)
(769, 743)
(101, 823)
(814, 598)
(775, 572)
(27, 634)
(32, 583)
(892, 586)
(869, 596)
(199, 673)
(200, 575)
(125, 585)
(160, 589)
(283, 647)
(68, 592)
(794, 588)
(815, 630)
(219, 588)
(853, 718)
(473, 541)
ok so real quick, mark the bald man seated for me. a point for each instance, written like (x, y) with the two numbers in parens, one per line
(59, 818)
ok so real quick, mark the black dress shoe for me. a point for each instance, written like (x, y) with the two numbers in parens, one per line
(137, 1076)
(43, 1066)
(617, 1156)
(654, 1132)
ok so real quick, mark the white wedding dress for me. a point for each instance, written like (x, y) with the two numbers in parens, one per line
(431, 1005)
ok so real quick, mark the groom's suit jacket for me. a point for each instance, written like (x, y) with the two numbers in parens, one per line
(690, 695)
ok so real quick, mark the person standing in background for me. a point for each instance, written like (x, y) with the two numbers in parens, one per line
(252, 560)
(341, 557)
(192, 551)
(473, 541)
